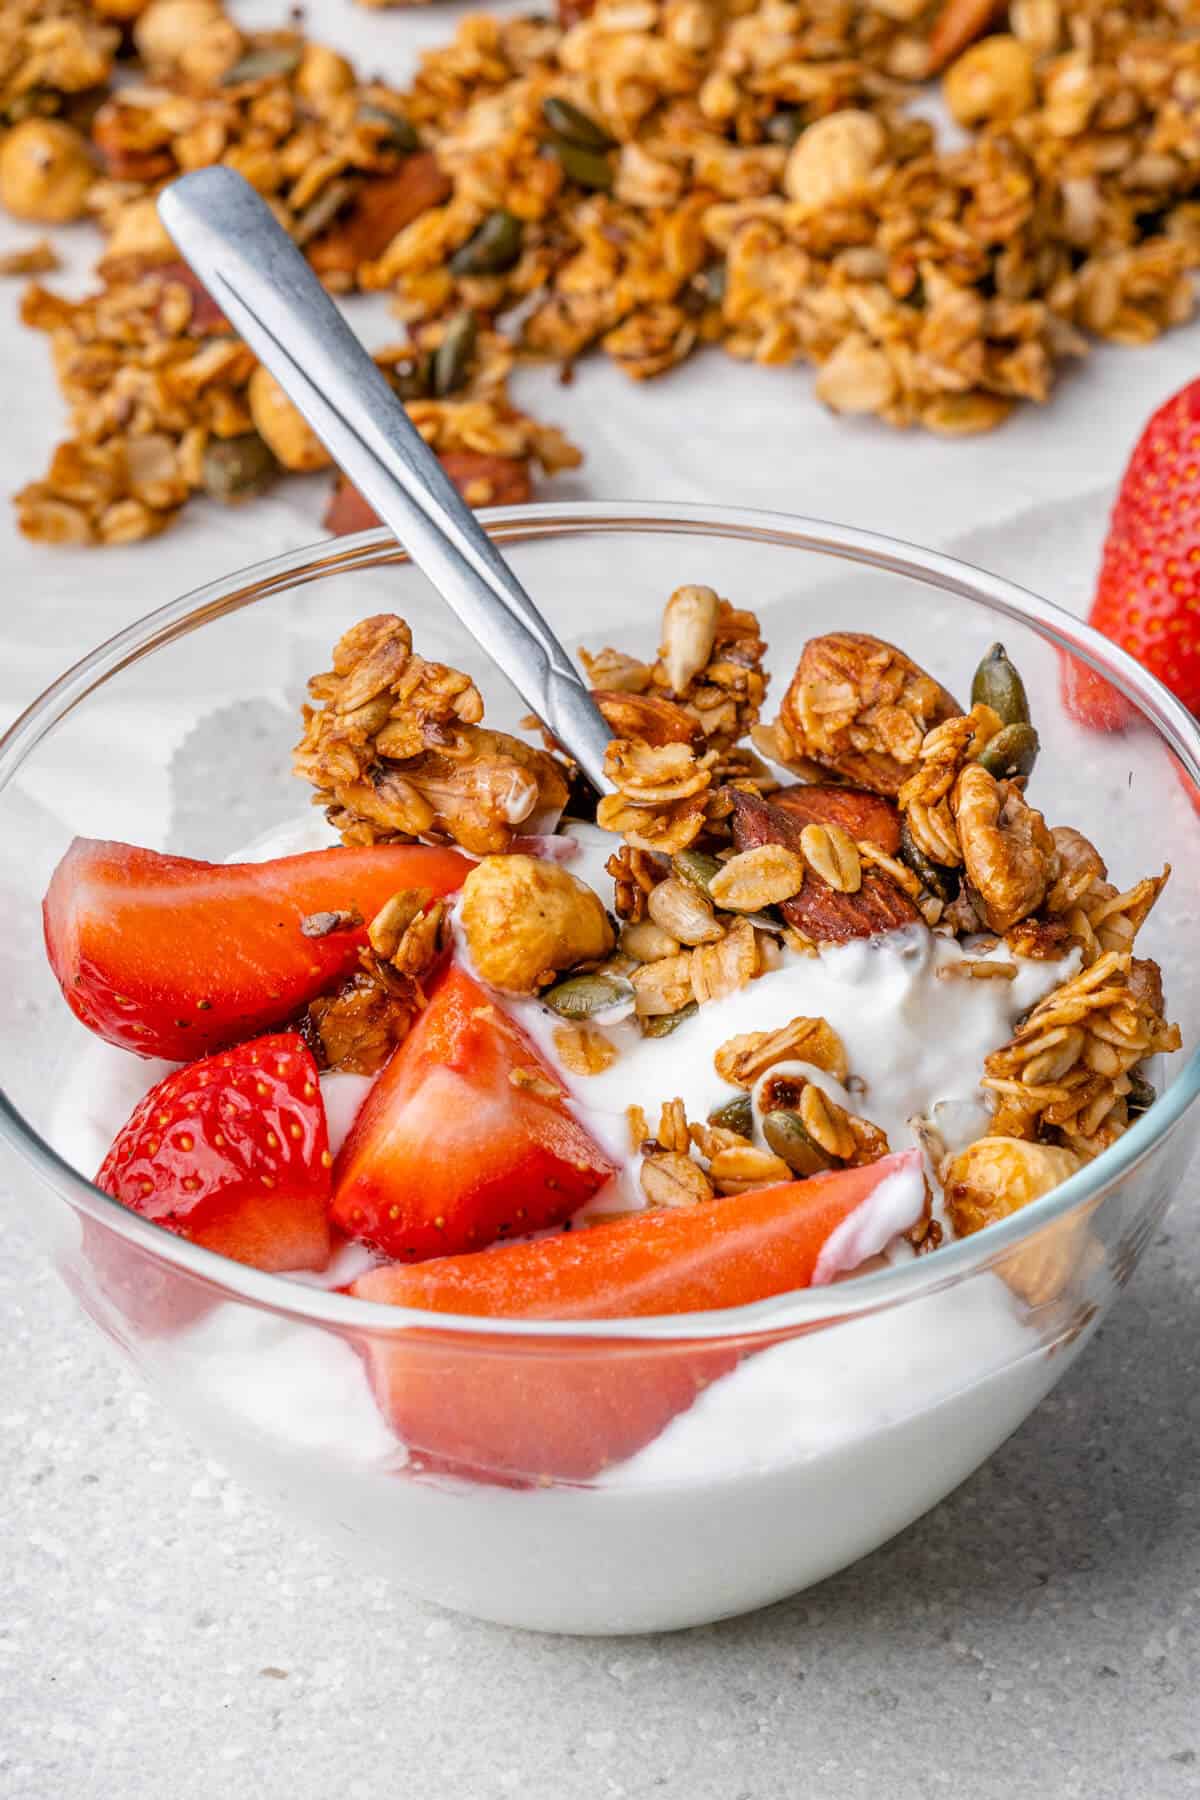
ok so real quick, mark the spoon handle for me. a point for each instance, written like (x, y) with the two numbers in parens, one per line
(274, 301)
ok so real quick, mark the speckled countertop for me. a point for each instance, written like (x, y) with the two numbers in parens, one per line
(1037, 1637)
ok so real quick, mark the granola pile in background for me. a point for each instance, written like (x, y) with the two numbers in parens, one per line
(641, 176)
(873, 802)
(163, 400)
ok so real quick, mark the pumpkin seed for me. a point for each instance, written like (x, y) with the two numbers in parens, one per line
(938, 879)
(574, 126)
(736, 1115)
(787, 1137)
(712, 283)
(663, 1024)
(411, 378)
(262, 64)
(697, 867)
(998, 685)
(323, 210)
(1012, 752)
(785, 126)
(1142, 1094)
(454, 355)
(401, 135)
(492, 249)
(234, 468)
(586, 996)
(586, 168)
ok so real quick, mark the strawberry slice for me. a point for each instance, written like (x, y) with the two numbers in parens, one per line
(564, 1409)
(233, 1153)
(175, 958)
(464, 1138)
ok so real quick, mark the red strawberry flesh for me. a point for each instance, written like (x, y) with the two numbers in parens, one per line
(176, 958)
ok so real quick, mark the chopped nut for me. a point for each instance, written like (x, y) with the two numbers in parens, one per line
(323, 924)
(689, 634)
(1007, 850)
(524, 919)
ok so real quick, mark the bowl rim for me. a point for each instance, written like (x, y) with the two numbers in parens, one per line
(808, 1307)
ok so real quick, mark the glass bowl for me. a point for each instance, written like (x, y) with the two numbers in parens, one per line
(820, 1423)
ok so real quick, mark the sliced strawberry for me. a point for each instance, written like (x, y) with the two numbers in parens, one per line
(464, 1138)
(563, 1409)
(175, 958)
(233, 1153)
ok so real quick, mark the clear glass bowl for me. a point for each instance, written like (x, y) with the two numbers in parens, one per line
(824, 1422)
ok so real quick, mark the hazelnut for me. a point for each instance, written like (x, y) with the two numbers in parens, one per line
(45, 172)
(323, 72)
(996, 1176)
(168, 31)
(833, 160)
(282, 427)
(991, 83)
(525, 919)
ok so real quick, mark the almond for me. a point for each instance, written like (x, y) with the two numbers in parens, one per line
(861, 814)
(818, 910)
(383, 207)
(647, 717)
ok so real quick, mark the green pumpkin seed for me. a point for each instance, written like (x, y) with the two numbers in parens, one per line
(454, 355)
(323, 210)
(1011, 753)
(938, 879)
(785, 126)
(262, 64)
(998, 685)
(401, 135)
(573, 126)
(736, 1115)
(586, 168)
(411, 377)
(1142, 1094)
(585, 996)
(696, 867)
(492, 249)
(663, 1024)
(236, 467)
(787, 1137)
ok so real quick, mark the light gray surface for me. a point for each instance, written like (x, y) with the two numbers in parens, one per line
(1036, 1638)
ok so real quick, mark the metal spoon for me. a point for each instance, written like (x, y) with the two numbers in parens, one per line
(273, 300)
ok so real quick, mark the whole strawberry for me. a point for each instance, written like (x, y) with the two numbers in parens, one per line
(1148, 594)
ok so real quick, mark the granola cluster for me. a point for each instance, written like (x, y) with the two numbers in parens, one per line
(396, 751)
(914, 815)
(653, 177)
(163, 401)
(646, 177)
(166, 403)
